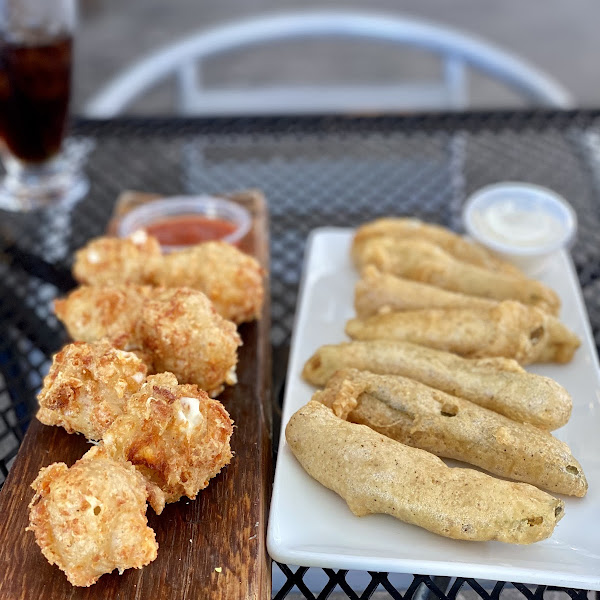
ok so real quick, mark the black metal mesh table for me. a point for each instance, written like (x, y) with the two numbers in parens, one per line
(313, 171)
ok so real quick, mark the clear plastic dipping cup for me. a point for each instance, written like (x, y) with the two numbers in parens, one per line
(523, 223)
(182, 221)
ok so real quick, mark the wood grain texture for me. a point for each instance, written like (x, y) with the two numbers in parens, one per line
(225, 527)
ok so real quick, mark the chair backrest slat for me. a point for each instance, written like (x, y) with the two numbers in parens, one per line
(457, 51)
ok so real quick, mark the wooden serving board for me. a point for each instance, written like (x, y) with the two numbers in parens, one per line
(212, 547)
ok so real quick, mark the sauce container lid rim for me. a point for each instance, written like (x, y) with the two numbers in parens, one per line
(546, 197)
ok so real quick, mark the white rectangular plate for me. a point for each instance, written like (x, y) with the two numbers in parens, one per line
(311, 526)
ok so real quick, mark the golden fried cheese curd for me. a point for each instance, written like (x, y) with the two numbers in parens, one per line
(91, 518)
(175, 435)
(185, 335)
(90, 313)
(87, 387)
(174, 329)
(232, 279)
(114, 261)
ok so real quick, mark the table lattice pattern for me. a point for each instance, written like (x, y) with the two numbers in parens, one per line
(313, 171)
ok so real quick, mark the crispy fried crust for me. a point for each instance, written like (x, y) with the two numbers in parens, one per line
(453, 244)
(377, 293)
(381, 293)
(375, 474)
(175, 330)
(186, 336)
(496, 383)
(509, 329)
(422, 261)
(447, 426)
(231, 279)
(115, 261)
(87, 387)
(92, 313)
(175, 435)
(91, 519)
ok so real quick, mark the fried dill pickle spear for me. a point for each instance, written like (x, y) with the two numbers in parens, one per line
(499, 384)
(377, 292)
(450, 427)
(410, 228)
(509, 329)
(375, 474)
(422, 261)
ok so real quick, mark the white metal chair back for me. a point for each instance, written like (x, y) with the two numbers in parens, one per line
(457, 51)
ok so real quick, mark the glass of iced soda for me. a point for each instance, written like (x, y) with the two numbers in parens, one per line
(36, 46)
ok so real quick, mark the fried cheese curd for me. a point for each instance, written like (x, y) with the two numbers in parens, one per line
(110, 261)
(87, 387)
(91, 518)
(232, 279)
(176, 330)
(175, 435)
(185, 335)
(92, 313)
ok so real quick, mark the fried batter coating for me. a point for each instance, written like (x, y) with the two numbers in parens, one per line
(410, 228)
(231, 279)
(499, 384)
(420, 416)
(175, 330)
(87, 387)
(186, 336)
(378, 292)
(92, 313)
(422, 261)
(375, 474)
(509, 329)
(91, 519)
(175, 435)
(116, 261)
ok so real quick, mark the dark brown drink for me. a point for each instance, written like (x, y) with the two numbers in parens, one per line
(35, 84)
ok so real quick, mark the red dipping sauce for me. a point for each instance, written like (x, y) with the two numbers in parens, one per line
(187, 230)
(178, 222)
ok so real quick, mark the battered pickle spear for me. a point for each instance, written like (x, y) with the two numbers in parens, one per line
(508, 329)
(419, 416)
(375, 474)
(499, 384)
(423, 261)
(409, 228)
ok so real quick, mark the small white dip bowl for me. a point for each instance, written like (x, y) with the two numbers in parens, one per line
(521, 222)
